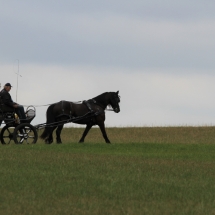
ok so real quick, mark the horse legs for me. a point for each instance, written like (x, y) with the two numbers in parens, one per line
(49, 139)
(58, 132)
(88, 127)
(102, 128)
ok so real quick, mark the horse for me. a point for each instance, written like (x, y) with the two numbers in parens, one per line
(89, 113)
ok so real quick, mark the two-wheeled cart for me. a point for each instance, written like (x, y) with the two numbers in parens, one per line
(14, 130)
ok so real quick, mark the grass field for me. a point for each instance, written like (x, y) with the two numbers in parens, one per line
(166, 170)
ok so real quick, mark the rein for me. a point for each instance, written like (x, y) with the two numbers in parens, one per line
(50, 104)
(37, 105)
(56, 103)
(109, 109)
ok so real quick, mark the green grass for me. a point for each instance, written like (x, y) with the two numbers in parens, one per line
(185, 135)
(126, 177)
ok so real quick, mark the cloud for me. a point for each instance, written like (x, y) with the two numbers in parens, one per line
(147, 98)
(159, 55)
(100, 36)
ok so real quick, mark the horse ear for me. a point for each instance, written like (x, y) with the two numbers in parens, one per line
(117, 92)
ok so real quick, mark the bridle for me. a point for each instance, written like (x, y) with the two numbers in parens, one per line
(116, 101)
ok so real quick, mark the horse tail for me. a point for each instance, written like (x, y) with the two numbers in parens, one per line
(50, 118)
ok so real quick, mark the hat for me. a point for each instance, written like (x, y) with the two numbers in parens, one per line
(8, 85)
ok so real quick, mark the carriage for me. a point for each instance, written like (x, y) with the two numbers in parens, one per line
(15, 131)
(90, 112)
(18, 132)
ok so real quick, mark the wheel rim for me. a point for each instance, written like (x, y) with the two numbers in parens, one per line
(25, 133)
(6, 135)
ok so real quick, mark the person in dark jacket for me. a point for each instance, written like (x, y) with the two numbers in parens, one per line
(7, 100)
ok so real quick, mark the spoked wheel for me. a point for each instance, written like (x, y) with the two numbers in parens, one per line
(6, 134)
(25, 133)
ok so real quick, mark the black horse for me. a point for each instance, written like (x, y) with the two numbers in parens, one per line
(90, 113)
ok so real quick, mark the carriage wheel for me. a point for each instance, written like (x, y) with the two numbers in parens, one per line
(25, 133)
(6, 134)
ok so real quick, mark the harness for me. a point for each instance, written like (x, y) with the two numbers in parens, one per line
(63, 111)
(87, 103)
(90, 114)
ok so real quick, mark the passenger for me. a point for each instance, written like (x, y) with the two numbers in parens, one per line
(7, 100)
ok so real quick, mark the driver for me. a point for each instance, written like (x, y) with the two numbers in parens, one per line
(7, 100)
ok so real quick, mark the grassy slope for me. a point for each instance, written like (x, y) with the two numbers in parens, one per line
(128, 177)
(145, 135)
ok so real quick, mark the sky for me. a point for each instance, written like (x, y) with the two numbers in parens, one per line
(158, 54)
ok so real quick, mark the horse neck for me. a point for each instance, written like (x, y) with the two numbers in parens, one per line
(102, 100)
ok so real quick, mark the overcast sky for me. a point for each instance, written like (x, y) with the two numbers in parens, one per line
(158, 54)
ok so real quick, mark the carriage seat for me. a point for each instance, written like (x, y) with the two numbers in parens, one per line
(5, 109)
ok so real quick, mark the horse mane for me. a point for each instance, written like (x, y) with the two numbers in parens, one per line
(101, 99)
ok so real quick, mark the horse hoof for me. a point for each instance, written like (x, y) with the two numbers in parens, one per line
(58, 141)
(48, 142)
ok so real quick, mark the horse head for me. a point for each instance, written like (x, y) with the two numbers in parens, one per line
(114, 101)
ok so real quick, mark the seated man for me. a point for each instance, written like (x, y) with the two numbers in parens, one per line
(7, 100)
